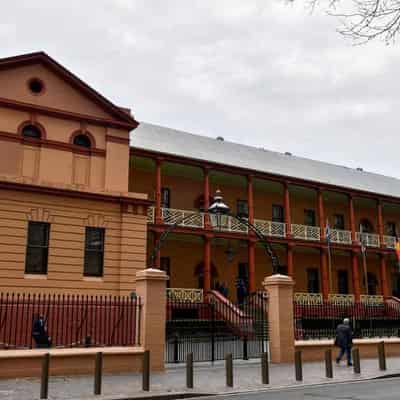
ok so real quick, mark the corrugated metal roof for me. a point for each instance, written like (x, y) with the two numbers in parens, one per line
(170, 141)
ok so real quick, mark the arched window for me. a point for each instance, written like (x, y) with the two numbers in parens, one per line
(83, 141)
(31, 131)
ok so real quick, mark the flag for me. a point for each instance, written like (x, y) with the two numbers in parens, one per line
(328, 233)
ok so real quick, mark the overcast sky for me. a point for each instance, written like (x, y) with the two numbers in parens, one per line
(258, 72)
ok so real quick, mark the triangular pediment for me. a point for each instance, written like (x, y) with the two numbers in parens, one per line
(61, 90)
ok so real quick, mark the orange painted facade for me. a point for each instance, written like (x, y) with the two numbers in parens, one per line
(108, 185)
(185, 251)
(50, 179)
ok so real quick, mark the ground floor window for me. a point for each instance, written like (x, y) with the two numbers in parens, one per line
(396, 284)
(37, 249)
(313, 280)
(372, 284)
(94, 252)
(343, 282)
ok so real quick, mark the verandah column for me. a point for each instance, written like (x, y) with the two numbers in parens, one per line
(352, 219)
(252, 265)
(355, 275)
(250, 199)
(383, 273)
(289, 260)
(158, 216)
(157, 258)
(207, 263)
(251, 241)
(379, 209)
(324, 274)
(321, 213)
(206, 190)
(288, 219)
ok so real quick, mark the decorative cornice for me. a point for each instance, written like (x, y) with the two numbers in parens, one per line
(284, 180)
(52, 144)
(119, 113)
(54, 112)
(72, 193)
(116, 139)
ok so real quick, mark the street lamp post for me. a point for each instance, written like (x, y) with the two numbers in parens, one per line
(219, 210)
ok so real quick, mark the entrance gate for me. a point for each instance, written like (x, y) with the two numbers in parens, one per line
(210, 326)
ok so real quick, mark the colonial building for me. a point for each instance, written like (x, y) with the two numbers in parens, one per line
(290, 199)
(86, 192)
(68, 222)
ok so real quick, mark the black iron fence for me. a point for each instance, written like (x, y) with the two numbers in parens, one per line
(214, 327)
(318, 321)
(71, 320)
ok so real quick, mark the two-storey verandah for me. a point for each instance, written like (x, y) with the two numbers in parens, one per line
(181, 185)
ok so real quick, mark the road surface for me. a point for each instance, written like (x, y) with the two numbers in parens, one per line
(380, 389)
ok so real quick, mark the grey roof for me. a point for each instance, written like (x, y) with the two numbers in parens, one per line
(170, 141)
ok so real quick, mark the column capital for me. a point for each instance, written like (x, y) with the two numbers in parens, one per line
(206, 169)
(291, 245)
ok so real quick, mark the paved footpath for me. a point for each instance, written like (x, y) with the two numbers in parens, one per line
(208, 379)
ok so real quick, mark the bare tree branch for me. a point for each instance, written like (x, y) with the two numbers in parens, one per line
(363, 20)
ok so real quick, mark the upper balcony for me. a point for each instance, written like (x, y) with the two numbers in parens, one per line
(195, 219)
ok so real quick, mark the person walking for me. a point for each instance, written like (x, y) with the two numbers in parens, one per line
(344, 340)
(39, 332)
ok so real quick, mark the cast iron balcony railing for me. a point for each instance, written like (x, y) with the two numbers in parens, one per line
(269, 228)
(228, 224)
(340, 236)
(150, 215)
(369, 239)
(389, 241)
(171, 216)
(305, 232)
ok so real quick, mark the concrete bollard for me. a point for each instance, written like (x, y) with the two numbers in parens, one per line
(245, 352)
(264, 368)
(382, 356)
(298, 365)
(356, 361)
(328, 364)
(98, 373)
(229, 370)
(44, 381)
(146, 371)
(189, 371)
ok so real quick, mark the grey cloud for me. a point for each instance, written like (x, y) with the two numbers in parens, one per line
(258, 72)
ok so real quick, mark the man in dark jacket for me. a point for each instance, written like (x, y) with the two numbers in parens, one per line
(344, 340)
(39, 332)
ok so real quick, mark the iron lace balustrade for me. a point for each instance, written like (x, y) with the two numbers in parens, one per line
(370, 239)
(71, 320)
